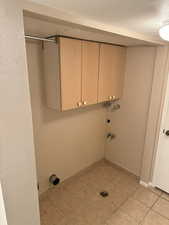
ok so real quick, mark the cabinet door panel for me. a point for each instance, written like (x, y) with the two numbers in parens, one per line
(111, 71)
(70, 72)
(119, 57)
(90, 64)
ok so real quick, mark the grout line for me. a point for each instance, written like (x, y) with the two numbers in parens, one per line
(142, 221)
(112, 202)
(155, 202)
(150, 208)
(157, 211)
(125, 200)
(160, 214)
(118, 208)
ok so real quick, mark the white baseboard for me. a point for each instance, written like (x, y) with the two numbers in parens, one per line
(146, 184)
(151, 184)
(122, 167)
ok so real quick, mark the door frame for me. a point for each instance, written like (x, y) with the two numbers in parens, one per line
(163, 114)
(3, 219)
(155, 114)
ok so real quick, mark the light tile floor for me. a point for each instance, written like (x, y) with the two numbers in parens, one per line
(77, 201)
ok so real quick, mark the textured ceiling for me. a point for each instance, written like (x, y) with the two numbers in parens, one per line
(141, 16)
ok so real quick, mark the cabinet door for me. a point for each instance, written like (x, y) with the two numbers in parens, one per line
(111, 72)
(90, 67)
(70, 72)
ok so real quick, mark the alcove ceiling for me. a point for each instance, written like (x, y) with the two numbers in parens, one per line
(140, 17)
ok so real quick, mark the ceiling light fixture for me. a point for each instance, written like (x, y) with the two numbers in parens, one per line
(164, 32)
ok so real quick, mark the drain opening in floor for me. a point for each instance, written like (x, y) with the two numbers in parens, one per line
(104, 194)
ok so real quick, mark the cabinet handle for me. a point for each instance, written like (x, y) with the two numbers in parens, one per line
(112, 97)
(79, 104)
(84, 103)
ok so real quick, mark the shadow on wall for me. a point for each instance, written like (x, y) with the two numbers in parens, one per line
(50, 115)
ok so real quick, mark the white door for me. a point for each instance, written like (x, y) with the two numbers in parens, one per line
(161, 170)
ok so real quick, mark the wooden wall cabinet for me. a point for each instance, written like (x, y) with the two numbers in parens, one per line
(79, 62)
(79, 73)
(62, 72)
(90, 72)
(70, 72)
(111, 72)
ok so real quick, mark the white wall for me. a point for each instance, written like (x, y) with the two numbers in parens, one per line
(17, 169)
(129, 123)
(66, 142)
(17, 164)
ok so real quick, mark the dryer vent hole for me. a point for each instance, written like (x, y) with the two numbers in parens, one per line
(104, 194)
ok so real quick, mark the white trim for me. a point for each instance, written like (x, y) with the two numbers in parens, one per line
(146, 184)
(154, 114)
(151, 184)
(3, 220)
(163, 114)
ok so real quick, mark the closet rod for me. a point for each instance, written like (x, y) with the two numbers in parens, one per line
(39, 39)
(101, 42)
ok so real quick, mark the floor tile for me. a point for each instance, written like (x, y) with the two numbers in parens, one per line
(146, 196)
(62, 200)
(98, 211)
(155, 219)
(118, 197)
(77, 201)
(106, 171)
(122, 191)
(73, 220)
(135, 209)
(102, 177)
(49, 214)
(75, 185)
(120, 218)
(162, 207)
